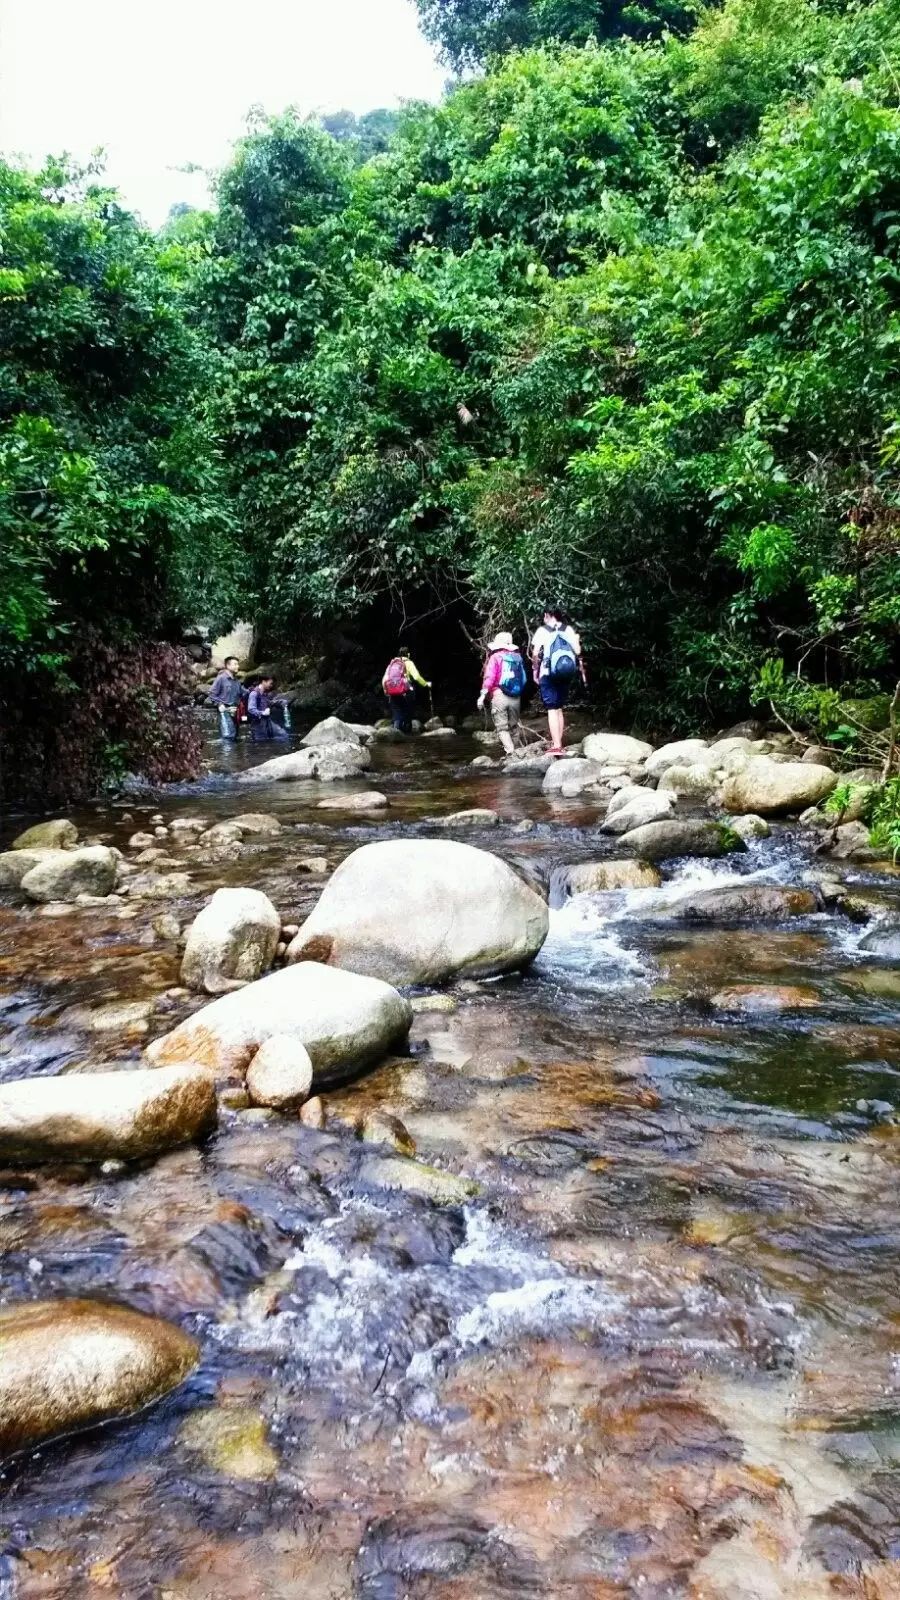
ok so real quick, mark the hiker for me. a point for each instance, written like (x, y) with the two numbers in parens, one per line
(502, 686)
(259, 709)
(226, 694)
(400, 676)
(556, 661)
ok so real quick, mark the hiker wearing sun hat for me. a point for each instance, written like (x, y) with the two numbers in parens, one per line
(504, 679)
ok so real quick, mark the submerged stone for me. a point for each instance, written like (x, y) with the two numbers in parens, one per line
(232, 1441)
(443, 1188)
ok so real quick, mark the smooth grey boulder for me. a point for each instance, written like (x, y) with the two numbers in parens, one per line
(232, 940)
(331, 731)
(68, 1364)
(345, 1021)
(15, 863)
(611, 749)
(572, 775)
(328, 763)
(769, 787)
(103, 1115)
(680, 753)
(662, 841)
(60, 834)
(632, 807)
(65, 874)
(424, 911)
(693, 780)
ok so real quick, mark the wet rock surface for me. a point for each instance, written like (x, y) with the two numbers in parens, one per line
(623, 1322)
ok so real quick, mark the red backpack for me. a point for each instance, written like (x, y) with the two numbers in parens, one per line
(395, 679)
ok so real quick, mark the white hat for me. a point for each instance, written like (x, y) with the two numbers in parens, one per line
(503, 641)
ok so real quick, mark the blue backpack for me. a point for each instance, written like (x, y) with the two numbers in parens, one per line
(513, 676)
(562, 662)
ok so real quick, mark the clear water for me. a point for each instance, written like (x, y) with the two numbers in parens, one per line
(657, 1355)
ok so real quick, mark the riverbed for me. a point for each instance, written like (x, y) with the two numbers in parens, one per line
(657, 1353)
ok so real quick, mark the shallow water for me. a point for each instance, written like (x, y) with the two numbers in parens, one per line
(655, 1355)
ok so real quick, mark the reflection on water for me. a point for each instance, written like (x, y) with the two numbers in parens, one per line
(656, 1355)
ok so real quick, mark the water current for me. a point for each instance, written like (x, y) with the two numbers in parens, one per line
(656, 1354)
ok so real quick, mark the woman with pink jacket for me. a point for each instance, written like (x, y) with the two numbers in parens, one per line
(504, 679)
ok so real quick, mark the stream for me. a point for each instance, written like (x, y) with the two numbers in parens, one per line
(658, 1352)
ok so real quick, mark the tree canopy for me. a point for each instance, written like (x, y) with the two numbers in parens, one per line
(617, 321)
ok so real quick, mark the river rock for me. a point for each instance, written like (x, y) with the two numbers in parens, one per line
(681, 753)
(694, 780)
(764, 998)
(327, 763)
(68, 1364)
(750, 827)
(14, 864)
(661, 841)
(232, 940)
(312, 1113)
(571, 775)
(819, 756)
(851, 841)
(531, 760)
(233, 1441)
(97, 1115)
(477, 817)
(281, 1073)
(345, 1021)
(442, 1188)
(632, 807)
(382, 1127)
(57, 835)
(769, 787)
(141, 841)
(423, 911)
(601, 877)
(65, 874)
(330, 731)
(882, 942)
(369, 800)
(749, 902)
(612, 749)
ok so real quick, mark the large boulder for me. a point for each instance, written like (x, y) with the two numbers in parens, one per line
(681, 753)
(571, 775)
(104, 1115)
(14, 864)
(614, 749)
(232, 940)
(661, 841)
(57, 835)
(697, 780)
(327, 762)
(600, 877)
(749, 902)
(423, 911)
(633, 807)
(65, 874)
(345, 1021)
(331, 731)
(769, 787)
(68, 1364)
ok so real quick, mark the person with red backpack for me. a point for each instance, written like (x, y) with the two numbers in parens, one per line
(398, 683)
(502, 687)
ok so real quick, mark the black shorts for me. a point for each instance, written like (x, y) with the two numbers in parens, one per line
(555, 692)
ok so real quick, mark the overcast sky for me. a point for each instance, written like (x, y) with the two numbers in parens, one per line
(160, 83)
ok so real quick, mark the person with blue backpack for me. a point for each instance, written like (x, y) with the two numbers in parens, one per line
(505, 678)
(556, 661)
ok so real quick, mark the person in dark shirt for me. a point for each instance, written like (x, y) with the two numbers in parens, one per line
(259, 710)
(226, 695)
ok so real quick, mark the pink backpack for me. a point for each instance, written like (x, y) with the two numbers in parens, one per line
(395, 679)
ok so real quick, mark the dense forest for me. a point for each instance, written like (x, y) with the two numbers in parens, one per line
(617, 324)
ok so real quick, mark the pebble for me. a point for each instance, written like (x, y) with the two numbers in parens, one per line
(161, 832)
(314, 865)
(312, 1113)
(290, 931)
(166, 925)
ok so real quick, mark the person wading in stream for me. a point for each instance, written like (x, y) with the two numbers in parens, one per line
(259, 710)
(556, 661)
(400, 677)
(226, 694)
(502, 686)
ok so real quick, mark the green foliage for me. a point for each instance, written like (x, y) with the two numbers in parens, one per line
(469, 32)
(884, 817)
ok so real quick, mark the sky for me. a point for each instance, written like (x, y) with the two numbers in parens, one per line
(160, 84)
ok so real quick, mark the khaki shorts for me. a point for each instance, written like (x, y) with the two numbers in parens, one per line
(504, 712)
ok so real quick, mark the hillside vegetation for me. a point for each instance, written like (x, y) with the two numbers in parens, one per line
(618, 322)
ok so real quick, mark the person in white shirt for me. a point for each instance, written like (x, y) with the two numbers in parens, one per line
(556, 661)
